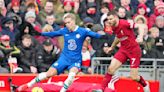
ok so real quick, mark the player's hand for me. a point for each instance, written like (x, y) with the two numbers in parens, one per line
(108, 50)
(33, 69)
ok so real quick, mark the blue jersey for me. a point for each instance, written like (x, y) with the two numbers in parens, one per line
(73, 41)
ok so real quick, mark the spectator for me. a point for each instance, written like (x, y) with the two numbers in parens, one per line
(158, 49)
(48, 9)
(104, 8)
(51, 20)
(55, 40)
(27, 55)
(122, 13)
(92, 12)
(127, 6)
(159, 23)
(141, 10)
(46, 55)
(15, 7)
(9, 28)
(27, 28)
(3, 9)
(7, 50)
(68, 7)
(86, 59)
(140, 31)
(111, 4)
(158, 11)
(88, 22)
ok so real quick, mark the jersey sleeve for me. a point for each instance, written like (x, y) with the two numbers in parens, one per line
(128, 23)
(92, 34)
(53, 33)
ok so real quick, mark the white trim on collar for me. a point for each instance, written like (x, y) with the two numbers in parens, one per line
(76, 28)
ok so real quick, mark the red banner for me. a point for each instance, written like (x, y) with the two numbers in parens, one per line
(82, 83)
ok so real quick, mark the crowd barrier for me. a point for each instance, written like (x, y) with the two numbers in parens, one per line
(149, 72)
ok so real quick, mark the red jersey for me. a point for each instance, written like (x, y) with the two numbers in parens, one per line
(125, 34)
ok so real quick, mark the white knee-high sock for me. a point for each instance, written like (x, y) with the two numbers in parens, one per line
(68, 81)
(40, 77)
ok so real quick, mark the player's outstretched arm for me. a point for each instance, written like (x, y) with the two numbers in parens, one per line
(115, 42)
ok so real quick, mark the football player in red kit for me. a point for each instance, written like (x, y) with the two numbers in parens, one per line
(129, 49)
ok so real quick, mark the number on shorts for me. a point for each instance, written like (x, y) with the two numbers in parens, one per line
(133, 60)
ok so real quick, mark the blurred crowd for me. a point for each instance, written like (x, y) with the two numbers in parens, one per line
(20, 20)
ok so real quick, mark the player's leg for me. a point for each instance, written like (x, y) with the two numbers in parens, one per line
(134, 64)
(135, 76)
(72, 72)
(114, 65)
(42, 76)
(56, 68)
(119, 58)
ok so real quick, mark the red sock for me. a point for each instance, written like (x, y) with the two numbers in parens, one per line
(106, 80)
(142, 81)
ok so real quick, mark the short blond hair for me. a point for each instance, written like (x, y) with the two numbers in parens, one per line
(69, 15)
(47, 28)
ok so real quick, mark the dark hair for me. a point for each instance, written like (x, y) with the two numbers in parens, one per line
(104, 5)
(112, 13)
(31, 5)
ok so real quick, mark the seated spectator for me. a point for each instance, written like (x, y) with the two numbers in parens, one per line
(93, 12)
(88, 22)
(122, 13)
(158, 48)
(68, 7)
(86, 59)
(46, 55)
(104, 9)
(48, 9)
(15, 9)
(27, 28)
(158, 11)
(51, 20)
(159, 23)
(141, 10)
(111, 4)
(57, 41)
(27, 55)
(9, 28)
(141, 27)
(7, 50)
(127, 5)
(3, 9)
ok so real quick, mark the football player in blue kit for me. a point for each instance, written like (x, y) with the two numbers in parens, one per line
(70, 57)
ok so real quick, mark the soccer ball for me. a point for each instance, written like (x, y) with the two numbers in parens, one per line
(37, 89)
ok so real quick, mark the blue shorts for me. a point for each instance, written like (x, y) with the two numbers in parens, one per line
(64, 63)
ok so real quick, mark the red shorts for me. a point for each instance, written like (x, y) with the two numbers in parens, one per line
(134, 55)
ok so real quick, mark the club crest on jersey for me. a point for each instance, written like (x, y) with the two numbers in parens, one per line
(55, 64)
(77, 35)
(66, 34)
(122, 32)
